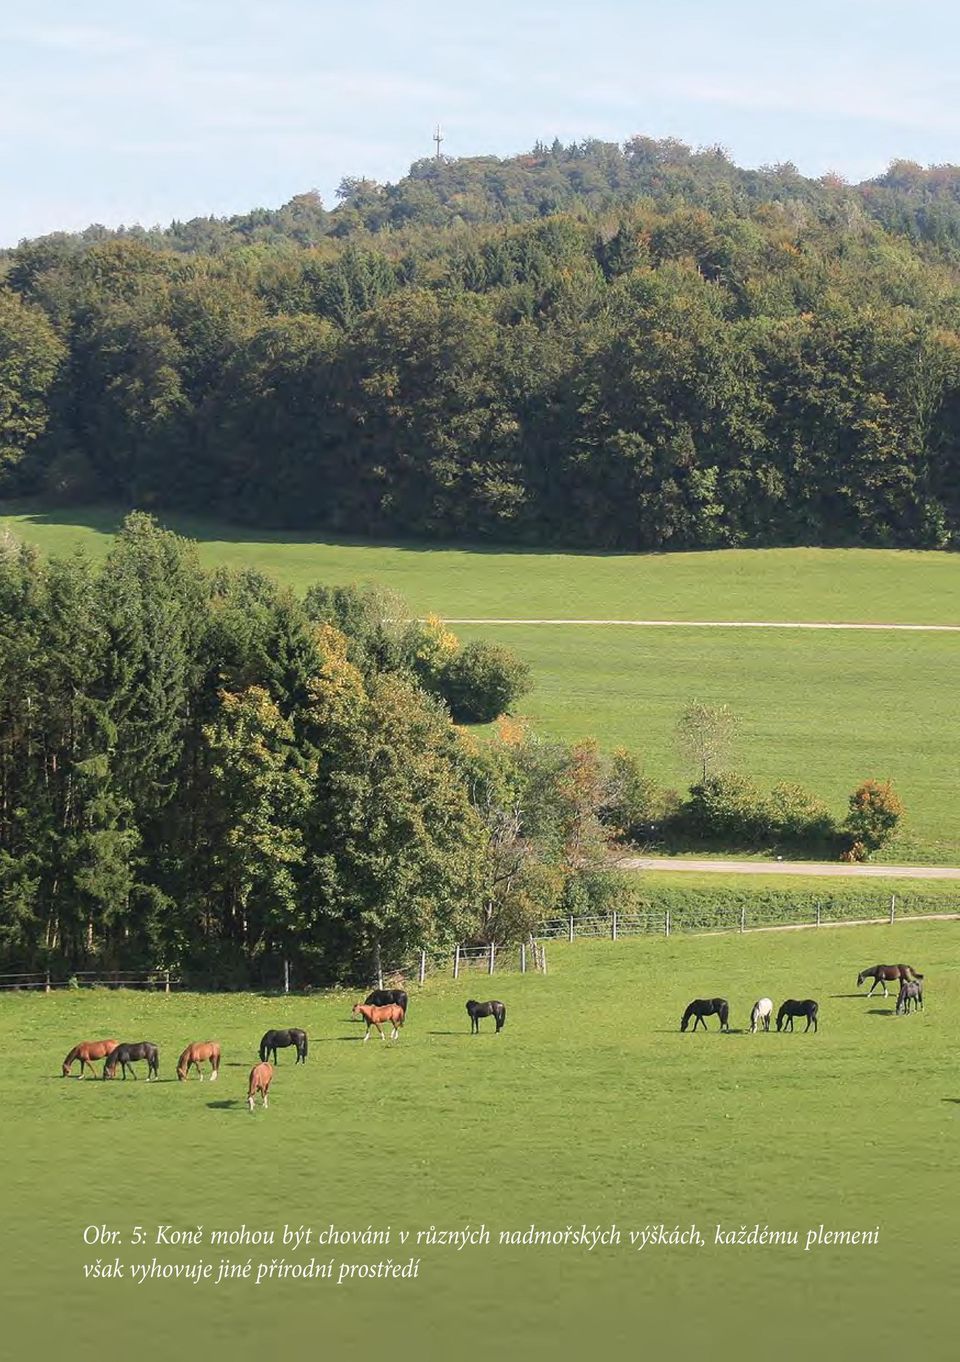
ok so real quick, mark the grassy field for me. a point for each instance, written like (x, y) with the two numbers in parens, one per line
(590, 1108)
(824, 708)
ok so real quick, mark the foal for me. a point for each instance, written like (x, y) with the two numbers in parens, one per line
(375, 1016)
(261, 1076)
(912, 989)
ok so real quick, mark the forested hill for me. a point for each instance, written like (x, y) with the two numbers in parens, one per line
(625, 347)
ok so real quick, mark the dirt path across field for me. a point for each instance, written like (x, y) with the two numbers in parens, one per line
(721, 624)
(838, 869)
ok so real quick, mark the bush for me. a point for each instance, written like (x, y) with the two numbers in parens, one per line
(798, 817)
(728, 808)
(483, 681)
(875, 812)
(636, 808)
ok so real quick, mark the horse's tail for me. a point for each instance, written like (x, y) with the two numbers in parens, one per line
(303, 1050)
(503, 1014)
(264, 1050)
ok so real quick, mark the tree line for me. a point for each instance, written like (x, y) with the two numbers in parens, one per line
(663, 351)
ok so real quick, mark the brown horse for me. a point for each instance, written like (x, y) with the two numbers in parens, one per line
(376, 1016)
(261, 1076)
(196, 1055)
(880, 974)
(86, 1052)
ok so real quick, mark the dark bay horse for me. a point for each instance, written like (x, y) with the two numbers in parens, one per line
(910, 990)
(261, 1076)
(791, 1008)
(376, 1016)
(124, 1055)
(706, 1007)
(490, 1009)
(880, 974)
(87, 1051)
(381, 997)
(279, 1040)
(197, 1055)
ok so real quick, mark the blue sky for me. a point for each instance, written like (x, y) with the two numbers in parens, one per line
(120, 112)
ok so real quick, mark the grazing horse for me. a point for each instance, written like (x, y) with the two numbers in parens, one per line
(196, 1055)
(380, 997)
(261, 1076)
(126, 1054)
(376, 1016)
(881, 973)
(279, 1040)
(87, 1051)
(706, 1007)
(490, 1009)
(761, 1014)
(910, 989)
(791, 1008)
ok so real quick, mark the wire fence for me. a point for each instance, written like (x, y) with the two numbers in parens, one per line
(531, 955)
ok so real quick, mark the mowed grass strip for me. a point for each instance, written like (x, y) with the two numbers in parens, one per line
(590, 1107)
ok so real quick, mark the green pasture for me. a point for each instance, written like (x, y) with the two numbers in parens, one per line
(824, 708)
(590, 1108)
(838, 585)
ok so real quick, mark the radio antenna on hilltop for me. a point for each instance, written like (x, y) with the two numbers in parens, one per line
(438, 138)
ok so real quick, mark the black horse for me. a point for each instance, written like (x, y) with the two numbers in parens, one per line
(279, 1040)
(706, 1007)
(791, 1008)
(381, 997)
(910, 990)
(126, 1054)
(491, 1009)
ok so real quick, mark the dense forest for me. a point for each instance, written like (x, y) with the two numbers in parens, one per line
(618, 347)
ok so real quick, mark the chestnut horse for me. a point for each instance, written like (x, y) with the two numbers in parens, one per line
(881, 973)
(127, 1053)
(381, 996)
(261, 1076)
(196, 1055)
(86, 1052)
(376, 1016)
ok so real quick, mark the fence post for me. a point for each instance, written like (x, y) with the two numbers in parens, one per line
(743, 919)
(492, 957)
(666, 923)
(543, 958)
(613, 927)
(570, 928)
(286, 975)
(166, 981)
(456, 962)
(523, 957)
(422, 972)
(818, 914)
(46, 987)
(893, 906)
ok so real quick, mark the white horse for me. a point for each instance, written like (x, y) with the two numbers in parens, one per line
(762, 1012)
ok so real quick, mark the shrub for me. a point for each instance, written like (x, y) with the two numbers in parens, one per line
(729, 808)
(482, 682)
(875, 812)
(799, 817)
